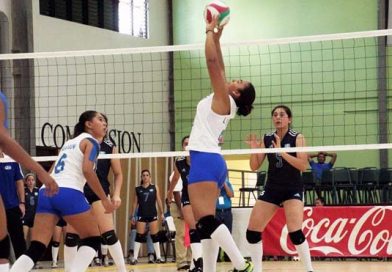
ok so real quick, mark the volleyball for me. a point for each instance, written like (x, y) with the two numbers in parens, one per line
(219, 8)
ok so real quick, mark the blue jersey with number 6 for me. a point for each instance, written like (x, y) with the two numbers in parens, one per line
(68, 169)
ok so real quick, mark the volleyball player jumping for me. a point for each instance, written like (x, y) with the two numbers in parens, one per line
(209, 170)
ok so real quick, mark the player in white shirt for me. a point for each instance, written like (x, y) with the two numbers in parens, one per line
(209, 170)
(75, 164)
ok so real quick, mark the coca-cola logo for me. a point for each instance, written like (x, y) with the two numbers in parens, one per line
(364, 232)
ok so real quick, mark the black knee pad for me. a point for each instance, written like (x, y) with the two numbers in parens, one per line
(71, 239)
(140, 238)
(109, 237)
(155, 238)
(194, 235)
(297, 237)
(206, 226)
(5, 248)
(36, 251)
(253, 237)
(55, 244)
(92, 241)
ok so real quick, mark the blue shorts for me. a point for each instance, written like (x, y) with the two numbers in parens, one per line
(207, 167)
(66, 202)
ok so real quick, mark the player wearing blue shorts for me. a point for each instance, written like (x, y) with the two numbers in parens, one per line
(182, 169)
(283, 187)
(75, 164)
(15, 151)
(109, 238)
(208, 171)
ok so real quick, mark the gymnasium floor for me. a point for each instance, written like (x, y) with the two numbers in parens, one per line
(269, 266)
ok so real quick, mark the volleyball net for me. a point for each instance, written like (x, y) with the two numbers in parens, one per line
(336, 86)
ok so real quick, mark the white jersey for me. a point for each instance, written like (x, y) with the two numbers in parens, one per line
(208, 126)
(67, 171)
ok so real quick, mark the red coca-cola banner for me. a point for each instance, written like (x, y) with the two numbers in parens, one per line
(335, 231)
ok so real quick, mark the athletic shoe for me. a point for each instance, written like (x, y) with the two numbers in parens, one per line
(151, 258)
(198, 265)
(133, 262)
(248, 268)
(54, 265)
(160, 261)
(97, 261)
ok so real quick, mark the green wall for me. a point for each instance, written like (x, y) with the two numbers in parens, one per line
(330, 86)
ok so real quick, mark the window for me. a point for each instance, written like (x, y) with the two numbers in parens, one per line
(133, 17)
(125, 16)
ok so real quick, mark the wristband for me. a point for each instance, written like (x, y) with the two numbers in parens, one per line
(209, 30)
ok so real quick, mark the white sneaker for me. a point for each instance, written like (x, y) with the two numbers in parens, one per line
(54, 265)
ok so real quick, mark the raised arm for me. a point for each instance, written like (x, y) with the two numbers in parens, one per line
(256, 160)
(333, 157)
(216, 70)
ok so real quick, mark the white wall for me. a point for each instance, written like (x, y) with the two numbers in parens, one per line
(131, 89)
(51, 34)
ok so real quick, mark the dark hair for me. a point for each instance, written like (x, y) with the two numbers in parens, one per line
(83, 118)
(245, 100)
(144, 170)
(286, 109)
(183, 139)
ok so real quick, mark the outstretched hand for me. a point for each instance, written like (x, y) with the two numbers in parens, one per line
(253, 141)
(214, 27)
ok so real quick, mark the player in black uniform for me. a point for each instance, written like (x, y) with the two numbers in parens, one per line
(181, 169)
(283, 187)
(31, 199)
(146, 197)
(109, 238)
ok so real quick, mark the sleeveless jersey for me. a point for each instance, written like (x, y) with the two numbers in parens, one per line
(183, 168)
(146, 199)
(208, 126)
(68, 167)
(281, 174)
(31, 201)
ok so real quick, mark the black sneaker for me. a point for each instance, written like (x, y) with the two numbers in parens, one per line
(198, 265)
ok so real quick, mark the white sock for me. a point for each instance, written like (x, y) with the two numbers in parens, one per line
(118, 256)
(210, 254)
(55, 253)
(22, 264)
(82, 259)
(224, 239)
(304, 254)
(69, 256)
(256, 253)
(157, 249)
(104, 249)
(5, 267)
(196, 250)
(136, 250)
